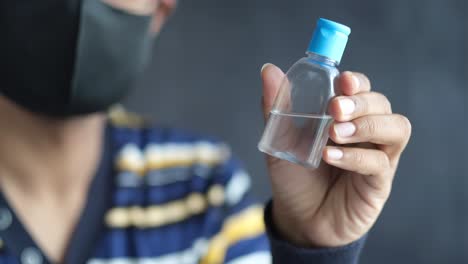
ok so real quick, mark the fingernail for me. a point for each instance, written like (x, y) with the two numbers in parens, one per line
(356, 81)
(264, 66)
(346, 129)
(347, 106)
(334, 154)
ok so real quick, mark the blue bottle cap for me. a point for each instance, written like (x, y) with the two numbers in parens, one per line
(329, 39)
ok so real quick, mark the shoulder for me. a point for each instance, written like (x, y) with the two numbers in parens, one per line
(162, 157)
(142, 146)
(172, 169)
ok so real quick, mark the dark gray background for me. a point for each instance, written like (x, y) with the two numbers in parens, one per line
(205, 77)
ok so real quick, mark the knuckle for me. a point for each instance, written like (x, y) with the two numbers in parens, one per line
(362, 105)
(383, 161)
(365, 81)
(368, 126)
(387, 106)
(358, 158)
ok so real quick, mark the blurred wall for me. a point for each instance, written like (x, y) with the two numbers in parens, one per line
(205, 77)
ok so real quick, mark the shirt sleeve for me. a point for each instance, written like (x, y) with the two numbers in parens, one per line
(248, 236)
(284, 252)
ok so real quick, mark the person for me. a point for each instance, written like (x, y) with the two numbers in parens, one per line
(80, 185)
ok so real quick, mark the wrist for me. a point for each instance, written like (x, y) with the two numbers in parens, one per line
(304, 232)
(287, 228)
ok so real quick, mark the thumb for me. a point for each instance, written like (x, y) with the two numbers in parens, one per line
(271, 78)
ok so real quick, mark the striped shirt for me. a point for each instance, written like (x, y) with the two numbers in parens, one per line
(164, 196)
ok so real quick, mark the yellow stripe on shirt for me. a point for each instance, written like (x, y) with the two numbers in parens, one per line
(162, 156)
(165, 214)
(247, 224)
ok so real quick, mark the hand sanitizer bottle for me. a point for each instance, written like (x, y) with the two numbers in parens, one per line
(297, 129)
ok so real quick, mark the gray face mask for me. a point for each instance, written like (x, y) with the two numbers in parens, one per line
(70, 73)
(113, 49)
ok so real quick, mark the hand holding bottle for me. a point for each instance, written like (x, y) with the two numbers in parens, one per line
(338, 202)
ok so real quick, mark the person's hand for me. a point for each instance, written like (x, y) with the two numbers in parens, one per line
(339, 202)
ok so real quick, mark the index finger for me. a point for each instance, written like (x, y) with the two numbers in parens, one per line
(351, 83)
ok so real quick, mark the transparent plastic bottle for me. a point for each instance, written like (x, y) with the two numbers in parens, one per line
(297, 129)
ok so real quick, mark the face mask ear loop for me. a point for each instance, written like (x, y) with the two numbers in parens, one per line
(113, 49)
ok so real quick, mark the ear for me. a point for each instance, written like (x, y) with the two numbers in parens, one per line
(162, 12)
(136, 7)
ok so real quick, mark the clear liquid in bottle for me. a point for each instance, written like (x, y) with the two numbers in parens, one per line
(293, 137)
